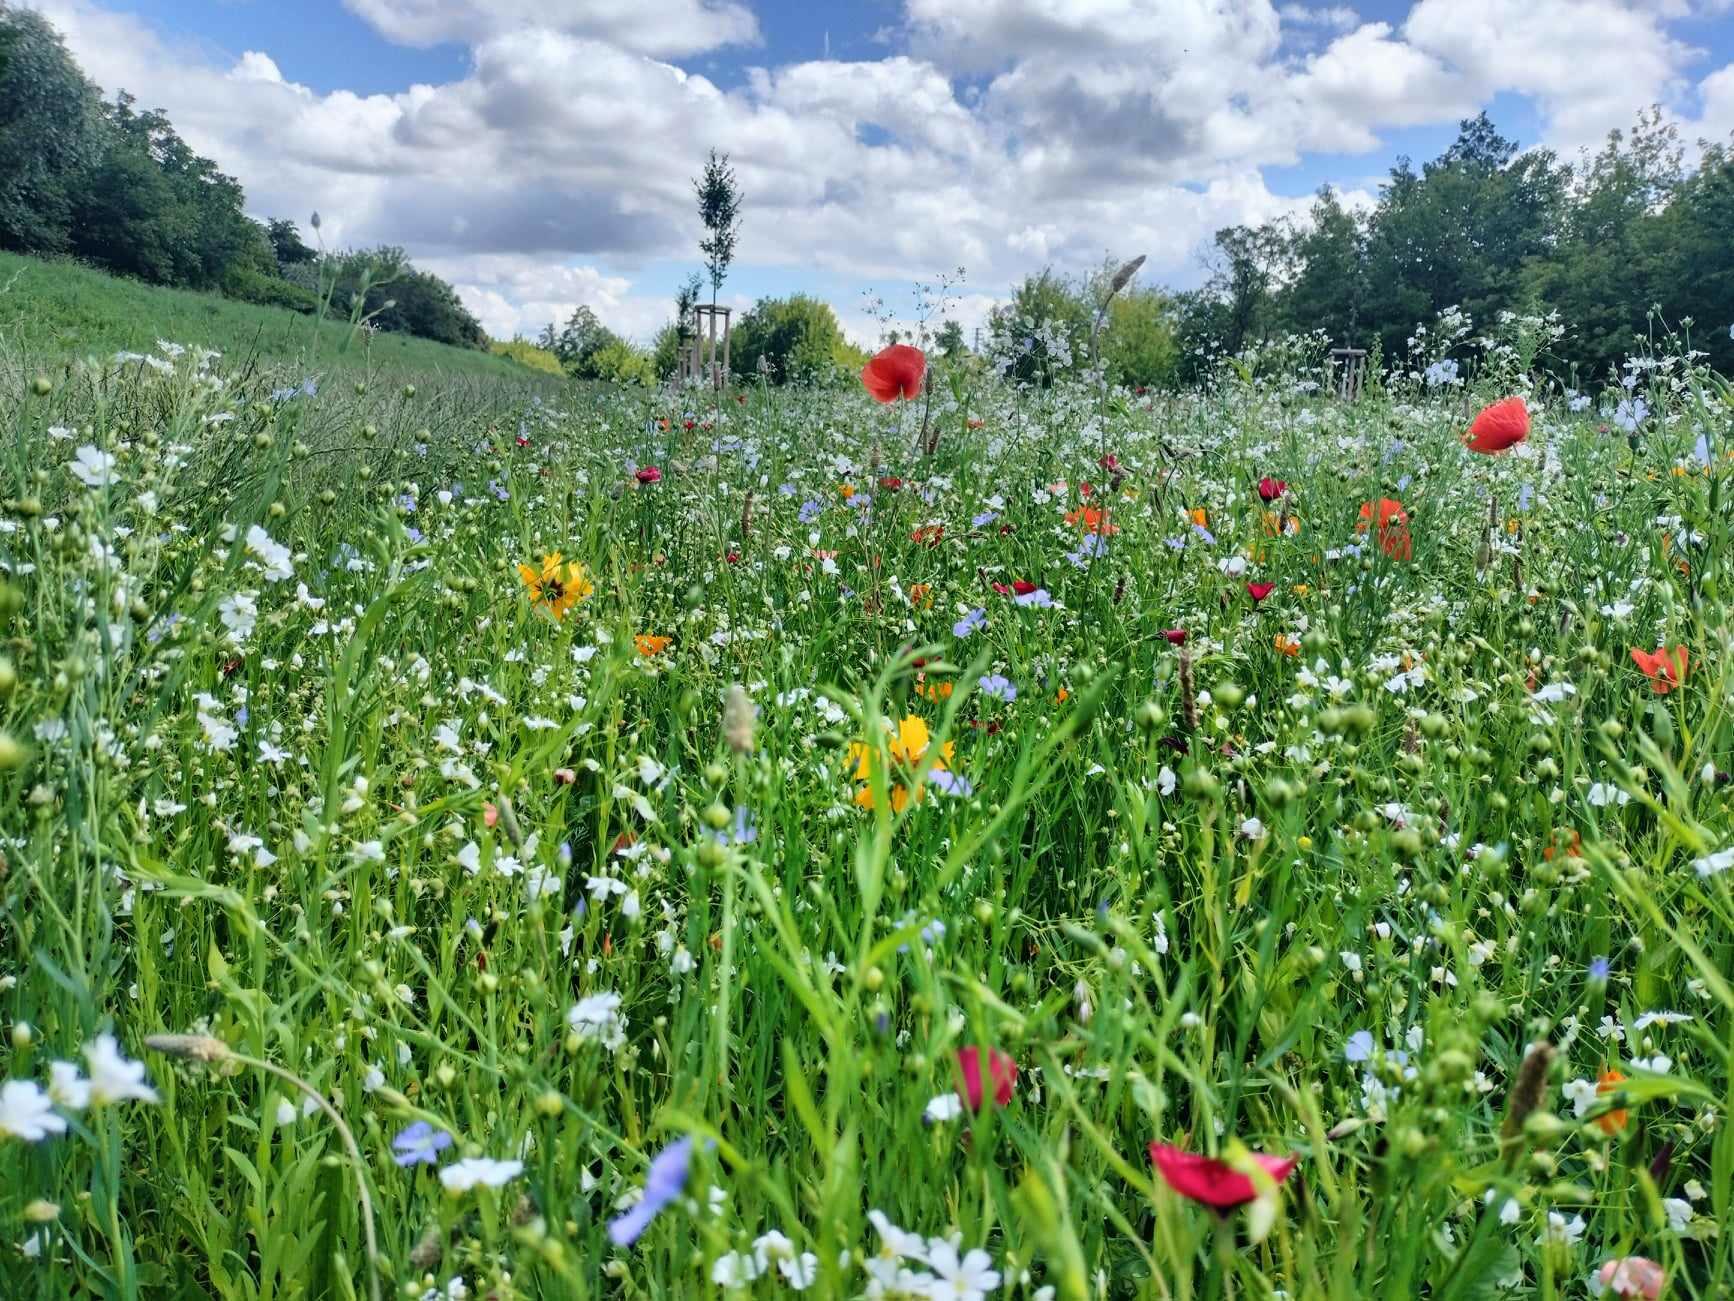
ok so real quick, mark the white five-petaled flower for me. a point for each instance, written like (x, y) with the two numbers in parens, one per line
(27, 1112)
(479, 1172)
(112, 1077)
(92, 467)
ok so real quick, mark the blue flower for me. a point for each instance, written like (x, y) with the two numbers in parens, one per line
(969, 623)
(810, 510)
(744, 831)
(1360, 1046)
(1038, 598)
(985, 518)
(420, 1144)
(1598, 970)
(665, 1182)
(998, 686)
(1201, 531)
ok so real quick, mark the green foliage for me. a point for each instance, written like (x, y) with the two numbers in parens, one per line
(788, 339)
(719, 208)
(950, 341)
(287, 245)
(525, 353)
(618, 362)
(50, 133)
(1138, 342)
(248, 285)
(1043, 334)
(391, 293)
(56, 310)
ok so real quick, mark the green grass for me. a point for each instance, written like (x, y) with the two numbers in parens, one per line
(1367, 873)
(54, 310)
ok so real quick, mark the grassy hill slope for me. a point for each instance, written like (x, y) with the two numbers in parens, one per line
(53, 310)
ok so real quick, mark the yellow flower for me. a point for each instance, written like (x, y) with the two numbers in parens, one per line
(558, 585)
(908, 749)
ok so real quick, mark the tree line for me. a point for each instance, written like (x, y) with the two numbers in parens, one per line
(109, 184)
(1626, 244)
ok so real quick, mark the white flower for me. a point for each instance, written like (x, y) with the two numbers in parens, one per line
(898, 1242)
(734, 1270)
(1561, 1231)
(799, 1272)
(1679, 1212)
(69, 1089)
(1714, 864)
(92, 467)
(1581, 1094)
(966, 1278)
(27, 1112)
(943, 1107)
(1649, 1019)
(239, 614)
(598, 1018)
(1602, 794)
(1252, 829)
(273, 556)
(479, 1172)
(112, 1077)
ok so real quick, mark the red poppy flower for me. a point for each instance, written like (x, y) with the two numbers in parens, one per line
(1503, 424)
(895, 373)
(648, 474)
(1176, 635)
(891, 483)
(1022, 587)
(1258, 591)
(1110, 462)
(733, 557)
(1394, 539)
(523, 440)
(1213, 1182)
(1002, 1069)
(1270, 489)
(1666, 669)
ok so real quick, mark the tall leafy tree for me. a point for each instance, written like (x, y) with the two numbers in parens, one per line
(1330, 284)
(50, 133)
(793, 338)
(719, 208)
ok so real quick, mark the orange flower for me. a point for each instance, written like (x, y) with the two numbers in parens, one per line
(921, 595)
(928, 535)
(1200, 517)
(1061, 696)
(896, 372)
(1394, 538)
(649, 643)
(1287, 645)
(934, 690)
(1614, 1121)
(1502, 425)
(1275, 525)
(1091, 519)
(847, 490)
(1666, 669)
(556, 585)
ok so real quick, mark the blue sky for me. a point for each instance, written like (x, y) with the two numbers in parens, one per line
(546, 160)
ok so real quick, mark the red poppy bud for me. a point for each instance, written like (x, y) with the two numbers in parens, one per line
(1212, 1182)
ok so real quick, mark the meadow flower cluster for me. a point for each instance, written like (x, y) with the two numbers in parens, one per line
(946, 839)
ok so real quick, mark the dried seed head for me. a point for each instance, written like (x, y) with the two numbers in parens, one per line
(738, 720)
(1188, 696)
(192, 1047)
(1527, 1092)
(1124, 275)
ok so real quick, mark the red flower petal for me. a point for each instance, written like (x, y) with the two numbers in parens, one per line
(1213, 1182)
(1023, 587)
(895, 373)
(1001, 1068)
(1177, 636)
(1258, 591)
(1503, 424)
(1271, 489)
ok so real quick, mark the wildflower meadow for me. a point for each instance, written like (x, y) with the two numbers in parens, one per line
(931, 837)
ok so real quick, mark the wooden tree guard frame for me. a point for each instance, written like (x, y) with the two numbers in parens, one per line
(1350, 366)
(699, 360)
